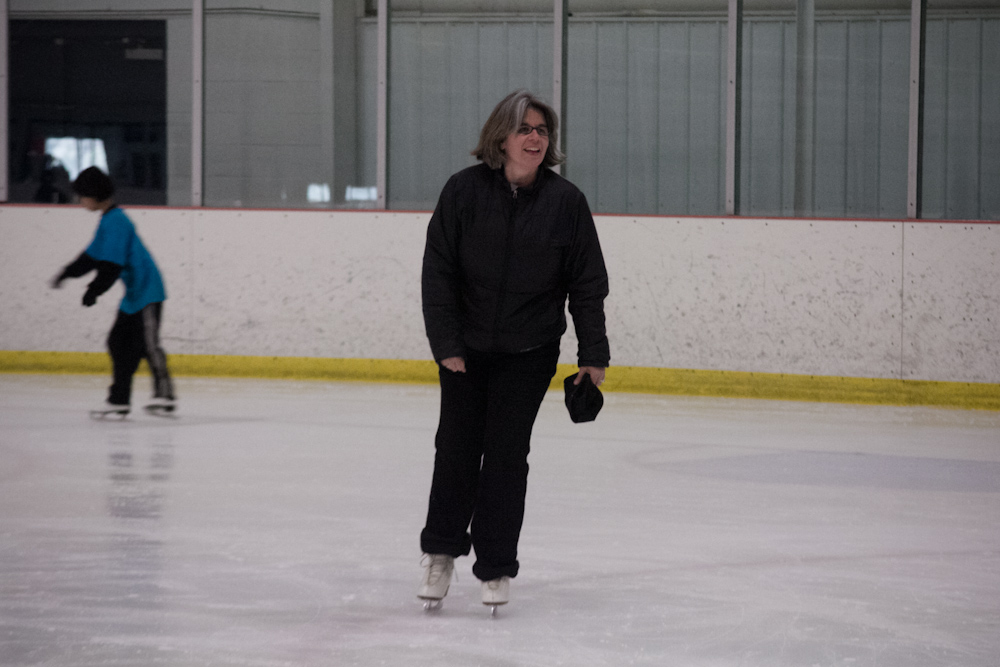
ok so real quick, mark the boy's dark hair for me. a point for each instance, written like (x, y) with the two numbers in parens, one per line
(92, 182)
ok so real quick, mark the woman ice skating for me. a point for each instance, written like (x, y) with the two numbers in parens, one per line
(509, 242)
(118, 252)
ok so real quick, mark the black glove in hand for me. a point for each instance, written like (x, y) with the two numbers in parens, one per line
(89, 299)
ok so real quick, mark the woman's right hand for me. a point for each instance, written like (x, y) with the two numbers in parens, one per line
(454, 364)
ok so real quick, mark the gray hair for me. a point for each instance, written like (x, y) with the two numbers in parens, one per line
(505, 119)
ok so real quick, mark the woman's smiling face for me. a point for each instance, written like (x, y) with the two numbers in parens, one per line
(526, 151)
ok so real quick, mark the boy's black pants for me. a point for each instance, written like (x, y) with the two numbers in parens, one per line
(481, 458)
(133, 338)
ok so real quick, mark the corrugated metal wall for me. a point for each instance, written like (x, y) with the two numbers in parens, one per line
(862, 118)
(262, 110)
(646, 109)
(446, 78)
(862, 97)
(961, 169)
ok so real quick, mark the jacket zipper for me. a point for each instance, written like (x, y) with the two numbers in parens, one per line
(501, 297)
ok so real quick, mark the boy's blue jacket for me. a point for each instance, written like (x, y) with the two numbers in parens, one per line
(117, 251)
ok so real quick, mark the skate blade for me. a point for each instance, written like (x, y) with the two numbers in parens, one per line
(432, 604)
(102, 415)
(161, 411)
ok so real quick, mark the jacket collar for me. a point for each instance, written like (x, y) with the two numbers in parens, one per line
(540, 178)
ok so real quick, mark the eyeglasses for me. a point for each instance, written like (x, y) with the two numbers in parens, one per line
(526, 129)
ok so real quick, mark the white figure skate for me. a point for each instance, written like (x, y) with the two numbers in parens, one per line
(436, 581)
(495, 593)
(161, 407)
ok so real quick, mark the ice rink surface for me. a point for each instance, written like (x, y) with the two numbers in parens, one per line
(275, 523)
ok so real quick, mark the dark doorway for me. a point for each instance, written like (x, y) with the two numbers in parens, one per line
(88, 92)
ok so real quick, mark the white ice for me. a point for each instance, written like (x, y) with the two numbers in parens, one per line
(275, 523)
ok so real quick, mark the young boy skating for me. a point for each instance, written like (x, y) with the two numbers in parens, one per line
(117, 252)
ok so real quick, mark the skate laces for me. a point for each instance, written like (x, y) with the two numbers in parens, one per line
(437, 566)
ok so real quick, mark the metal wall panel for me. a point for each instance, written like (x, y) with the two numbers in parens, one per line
(830, 172)
(962, 122)
(675, 96)
(413, 69)
(862, 117)
(932, 182)
(989, 196)
(581, 123)
(646, 107)
(768, 83)
(366, 100)
(630, 82)
(894, 102)
(612, 115)
(705, 170)
(179, 113)
(643, 132)
(464, 115)
(962, 119)
(446, 77)
(861, 124)
(859, 166)
(645, 111)
(262, 108)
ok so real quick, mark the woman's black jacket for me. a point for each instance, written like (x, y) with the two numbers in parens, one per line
(499, 265)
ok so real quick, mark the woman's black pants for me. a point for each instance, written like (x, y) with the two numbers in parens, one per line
(481, 458)
(133, 338)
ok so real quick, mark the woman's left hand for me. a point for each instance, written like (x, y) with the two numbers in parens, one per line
(596, 374)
